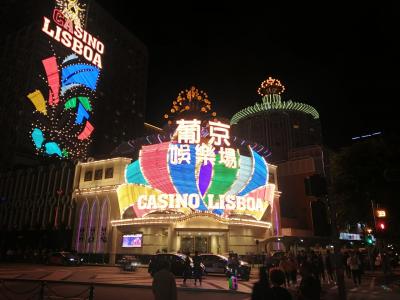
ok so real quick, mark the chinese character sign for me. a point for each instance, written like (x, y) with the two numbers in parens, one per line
(188, 132)
(219, 133)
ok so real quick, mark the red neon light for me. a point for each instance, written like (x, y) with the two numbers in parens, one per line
(86, 132)
(155, 167)
(53, 79)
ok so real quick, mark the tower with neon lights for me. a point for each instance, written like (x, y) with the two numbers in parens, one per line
(283, 125)
(292, 131)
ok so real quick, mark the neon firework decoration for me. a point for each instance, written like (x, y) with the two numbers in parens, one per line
(62, 124)
(197, 173)
(190, 100)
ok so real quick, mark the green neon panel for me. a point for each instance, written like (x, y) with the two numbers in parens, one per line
(275, 105)
(86, 103)
(222, 179)
(71, 103)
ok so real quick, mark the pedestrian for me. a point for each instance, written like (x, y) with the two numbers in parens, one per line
(354, 264)
(310, 286)
(197, 270)
(277, 278)
(268, 262)
(293, 270)
(329, 266)
(187, 272)
(164, 284)
(285, 266)
(261, 289)
(345, 258)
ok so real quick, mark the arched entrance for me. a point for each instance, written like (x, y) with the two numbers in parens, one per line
(202, 234)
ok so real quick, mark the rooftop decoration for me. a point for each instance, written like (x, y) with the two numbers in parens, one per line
(271, 86)
(190, 100)
(271, 90)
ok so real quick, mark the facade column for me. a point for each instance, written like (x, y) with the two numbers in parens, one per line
(214, 244)
(114, 235)
(178, 242)
(170, 239)
(276, 215)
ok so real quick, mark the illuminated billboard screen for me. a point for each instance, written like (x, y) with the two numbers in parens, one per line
(132, 240)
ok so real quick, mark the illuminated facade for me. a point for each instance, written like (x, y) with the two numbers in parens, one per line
(196, 191)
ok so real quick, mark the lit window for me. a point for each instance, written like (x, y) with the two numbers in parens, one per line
(109, 173)
(98, 174)
(88, 175)
(296, 126)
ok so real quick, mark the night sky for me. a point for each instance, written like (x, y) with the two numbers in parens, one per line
(343, 60)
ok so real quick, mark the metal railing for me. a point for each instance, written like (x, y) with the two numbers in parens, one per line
(41, 290)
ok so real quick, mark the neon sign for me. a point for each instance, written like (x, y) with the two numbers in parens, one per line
(74, 37)
(197, 173)
(62, 126)
(176, 201)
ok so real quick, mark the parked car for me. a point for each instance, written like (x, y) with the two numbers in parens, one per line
(215, 263)
(175, 260)
(276, 258)
(129, 263)
(64, 259)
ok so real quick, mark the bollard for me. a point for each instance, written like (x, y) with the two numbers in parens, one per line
(41, 292)
(91, 292)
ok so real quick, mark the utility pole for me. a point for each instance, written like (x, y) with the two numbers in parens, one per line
(317, 186)
(338, 255)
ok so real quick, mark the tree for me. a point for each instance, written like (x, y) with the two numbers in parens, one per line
(358, 176)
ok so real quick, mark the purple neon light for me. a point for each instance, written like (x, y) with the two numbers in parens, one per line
(204, 178)
(83, 211)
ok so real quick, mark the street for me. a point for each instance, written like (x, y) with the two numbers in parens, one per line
(111, 280)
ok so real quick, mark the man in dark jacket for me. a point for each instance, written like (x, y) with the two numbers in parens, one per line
(261, 289)
(164, 284)
(310, 286)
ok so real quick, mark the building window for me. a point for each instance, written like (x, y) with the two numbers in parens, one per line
(296, 126)
(88, 175)
(109, 173)
(98, 174)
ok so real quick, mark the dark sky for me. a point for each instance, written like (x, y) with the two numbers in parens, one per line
(341, 59)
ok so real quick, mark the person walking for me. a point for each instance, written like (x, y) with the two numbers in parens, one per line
(285, 266)
(197, 270)
(187, 272)
(329, 265)
(164, 284)
(293, 270)
(310, 286)
(261, 289)
(354, 264)
(345, 258)
(277, 277)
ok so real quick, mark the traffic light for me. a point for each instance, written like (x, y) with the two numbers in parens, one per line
(381, 225)
(369, 240)
(380, 220)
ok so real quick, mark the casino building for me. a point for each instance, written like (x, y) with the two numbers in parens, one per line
(191, 187)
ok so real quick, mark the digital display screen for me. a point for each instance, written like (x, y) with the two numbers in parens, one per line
(132, 240)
